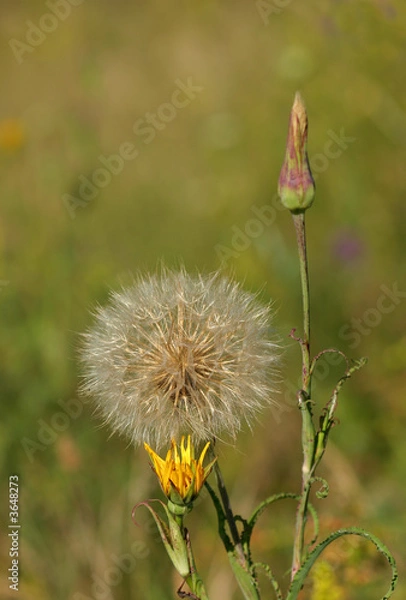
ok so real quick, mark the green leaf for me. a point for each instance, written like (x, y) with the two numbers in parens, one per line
(324, 490)
(221, 518)
(300, 576)
(271, 577)
(245, 579)
(162, 527)
(246, 536)
(172, 538)
(327, 418)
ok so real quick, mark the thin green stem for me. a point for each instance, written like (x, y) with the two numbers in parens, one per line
(194, 581)
(299, 221)
(308, 433)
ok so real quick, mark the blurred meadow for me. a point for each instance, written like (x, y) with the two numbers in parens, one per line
(195, 185)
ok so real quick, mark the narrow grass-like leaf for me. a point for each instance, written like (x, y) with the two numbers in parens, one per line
(298, 580)
(246, 536)
(271, 577)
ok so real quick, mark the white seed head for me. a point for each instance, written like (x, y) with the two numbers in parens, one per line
(176, 354)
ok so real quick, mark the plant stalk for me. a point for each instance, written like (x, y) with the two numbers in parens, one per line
(299, 222)
(308, 433)
(193, 580)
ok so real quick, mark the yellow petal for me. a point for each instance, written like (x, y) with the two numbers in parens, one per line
(203, 454)
(157, 461)
(176, 457)
(188, 454)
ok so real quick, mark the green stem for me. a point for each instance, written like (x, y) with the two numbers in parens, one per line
(308, 433)
(194, 581)
(299, 221)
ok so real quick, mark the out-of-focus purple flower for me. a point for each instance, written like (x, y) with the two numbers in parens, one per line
(347, 246)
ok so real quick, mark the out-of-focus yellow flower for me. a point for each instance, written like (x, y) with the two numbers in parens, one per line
(181, 476)
(12, 135)
(325, 585)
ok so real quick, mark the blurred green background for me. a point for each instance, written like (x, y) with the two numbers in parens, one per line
(82, 85)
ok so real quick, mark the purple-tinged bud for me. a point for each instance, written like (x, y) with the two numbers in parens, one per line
(296, 185)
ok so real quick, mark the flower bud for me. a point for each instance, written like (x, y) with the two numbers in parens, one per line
(296, 185)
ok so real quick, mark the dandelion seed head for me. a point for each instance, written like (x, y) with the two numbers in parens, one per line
(176, 354)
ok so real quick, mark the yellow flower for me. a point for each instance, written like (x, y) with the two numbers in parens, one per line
(181, 476)
(11, 135)
(325, 584)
